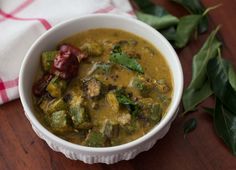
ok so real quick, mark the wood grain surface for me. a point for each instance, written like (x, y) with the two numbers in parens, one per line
(21, 149)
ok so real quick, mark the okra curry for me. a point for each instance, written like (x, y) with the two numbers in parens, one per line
(101, 88)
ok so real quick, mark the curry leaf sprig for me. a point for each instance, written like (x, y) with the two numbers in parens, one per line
(199, 87)
(220, 73)
(177, 31)
(195, 7)
(219, 76)
(119, 57)
(212, 75)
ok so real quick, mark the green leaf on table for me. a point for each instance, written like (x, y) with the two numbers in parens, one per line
(189, 126)
(119, 57)
(156, 21)
(149, 7)
(199, 88)
(155, 15)
(195, 7)
(200, 60)
(192, 97)
(232, 77)
(186, 26)
(225, 125)
(169, 33)
(217, 70)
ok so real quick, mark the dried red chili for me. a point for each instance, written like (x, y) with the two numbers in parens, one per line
(66, 63)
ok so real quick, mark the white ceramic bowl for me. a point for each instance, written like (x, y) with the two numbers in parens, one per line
(49, 40)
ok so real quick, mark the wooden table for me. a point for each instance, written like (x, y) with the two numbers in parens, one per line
(20, 148)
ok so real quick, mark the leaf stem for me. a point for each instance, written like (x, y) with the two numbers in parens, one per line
(210, 9)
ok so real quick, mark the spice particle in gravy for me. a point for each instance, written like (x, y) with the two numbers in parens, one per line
(102, 87)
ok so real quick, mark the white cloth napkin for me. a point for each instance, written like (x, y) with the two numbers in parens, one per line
(23, 21)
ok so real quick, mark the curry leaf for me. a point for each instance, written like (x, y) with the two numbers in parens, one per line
(169, 33)
(150, 8)
(200, 60)
(157, 21)
(189, 126)
(232, 77)
(124, 99)
(195, 7)
(225, 125)
(186, 26)
(217, 70)
(192, 97)
(155, 15)
(123, 59)
(199, 88)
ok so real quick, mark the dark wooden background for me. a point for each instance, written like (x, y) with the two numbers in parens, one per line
(21, 149)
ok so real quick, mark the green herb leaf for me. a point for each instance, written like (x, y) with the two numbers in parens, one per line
(124, 99)
(200, 60)
(156, 21)
(123, 59)
(151, 8)
(192, 97)
(186, 26)
(217, 70)
(199, 88)
(225, 125)
(195, 7)
(155, 15)
(169, 33)
(232, 77)
(189, 126)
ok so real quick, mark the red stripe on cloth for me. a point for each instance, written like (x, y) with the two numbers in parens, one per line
(105, 10)
(3, 92)
(44, 22)
(11, 83)
(19, 8)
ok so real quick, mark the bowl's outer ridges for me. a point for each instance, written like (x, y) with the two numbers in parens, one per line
(90, 158)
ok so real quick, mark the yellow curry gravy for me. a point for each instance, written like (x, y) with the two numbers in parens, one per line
(111, 120)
